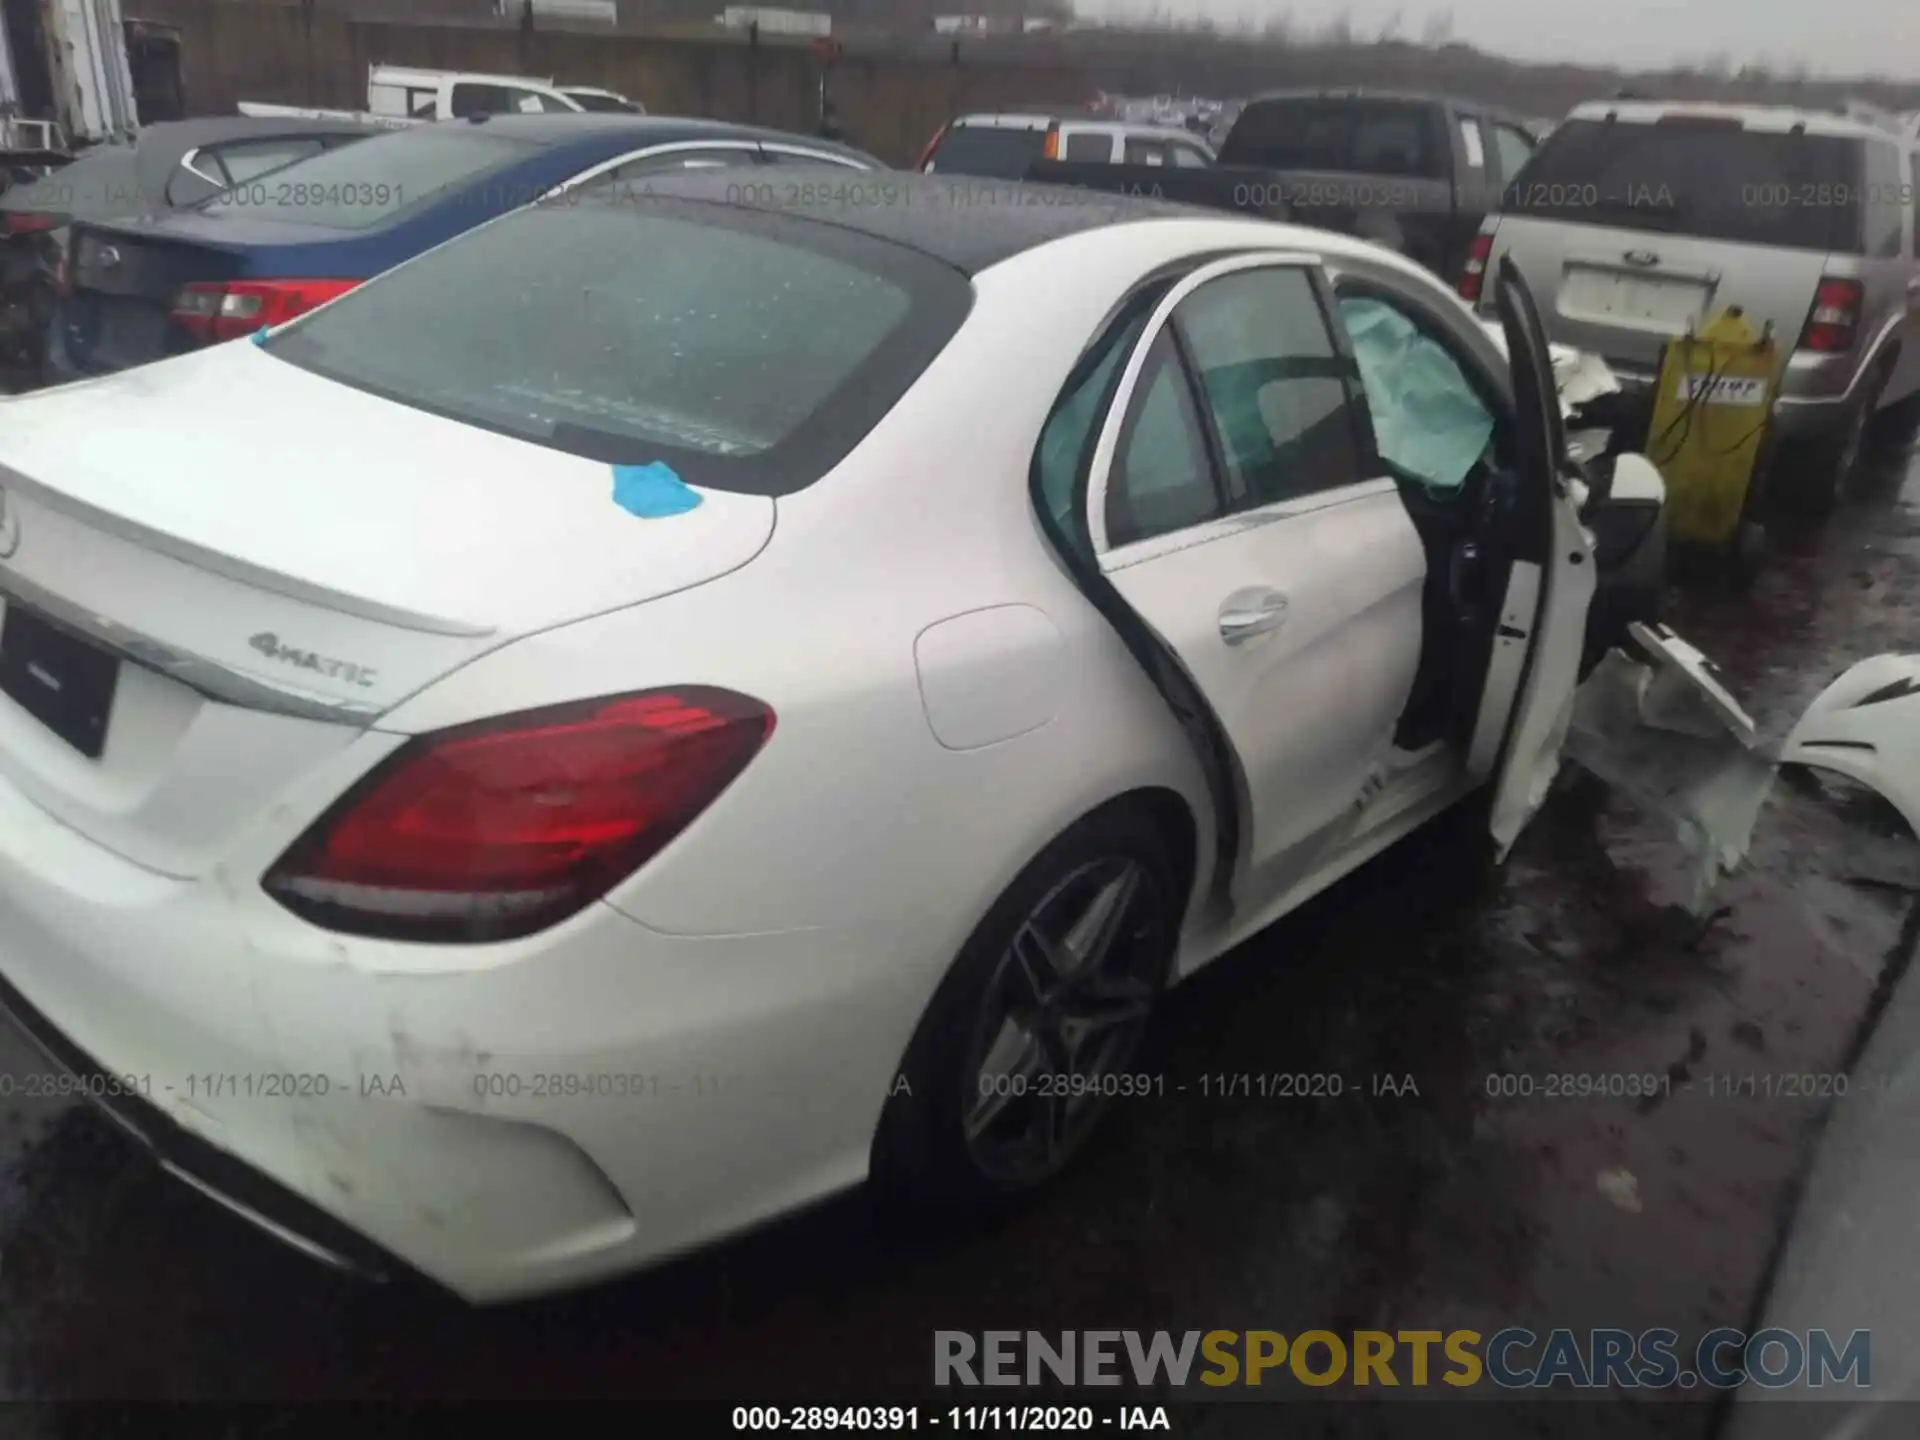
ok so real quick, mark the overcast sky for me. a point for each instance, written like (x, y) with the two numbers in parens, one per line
(1854, 37)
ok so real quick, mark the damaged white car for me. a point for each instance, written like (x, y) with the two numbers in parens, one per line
(771, 697)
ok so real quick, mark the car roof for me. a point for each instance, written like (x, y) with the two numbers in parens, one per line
(146, 164)
(970, 225)
(552, 129)
(1774, 118)
(1419, 97)
(184, 135)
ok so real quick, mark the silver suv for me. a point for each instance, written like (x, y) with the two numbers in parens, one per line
(1636, 218)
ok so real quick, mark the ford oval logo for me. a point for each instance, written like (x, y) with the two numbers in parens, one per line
(9, 527)
(1644, 259)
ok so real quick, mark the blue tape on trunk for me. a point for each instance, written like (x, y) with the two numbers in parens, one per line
(651, 491)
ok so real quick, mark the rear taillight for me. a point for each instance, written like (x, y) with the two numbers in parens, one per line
(933, 145)
(30, 222)
(497, 830)
(1834, 321)
(1052, 148)
(227, 311)
(1474, 277)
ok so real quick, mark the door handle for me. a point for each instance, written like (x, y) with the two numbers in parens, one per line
(1247, 613)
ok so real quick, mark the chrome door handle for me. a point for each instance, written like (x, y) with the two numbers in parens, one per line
(1247, 613)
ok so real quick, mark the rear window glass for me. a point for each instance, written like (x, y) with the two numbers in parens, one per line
(1371, 137)
(749, 352)
(359, 186)
(990, 150)
(1689, 178)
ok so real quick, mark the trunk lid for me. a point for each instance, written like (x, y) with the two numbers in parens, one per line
(262, 602)
(125, 283)
(128, 277)
(1624, 293)
(1631, 221)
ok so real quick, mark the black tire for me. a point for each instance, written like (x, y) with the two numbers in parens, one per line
(922, 1153)
(1814, 474)
(1897, 426)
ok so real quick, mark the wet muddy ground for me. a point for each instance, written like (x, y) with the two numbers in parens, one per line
(1449, 1205)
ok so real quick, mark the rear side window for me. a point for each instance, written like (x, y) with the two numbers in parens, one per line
(1162, 480)
(1374, 137)
(470, 99)
(748, 351)
(1513, 147)
(990, 150)
(1087, 145)
(1706, 179)
(1885, 217)
(1914, 177)
(360, 186)
(1274, 385)
(1147, 152)
(234, 164)
(245, 162)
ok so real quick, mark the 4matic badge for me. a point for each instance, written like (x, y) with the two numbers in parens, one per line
(271, 646)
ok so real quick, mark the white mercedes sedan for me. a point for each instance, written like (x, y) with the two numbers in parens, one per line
(663, 709)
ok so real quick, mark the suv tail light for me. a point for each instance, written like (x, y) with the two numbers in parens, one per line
(1474, 276)
(1052, 148)
(29, 222)
(1834, 319)
(226, 311)
(933, 145)
(499, 829)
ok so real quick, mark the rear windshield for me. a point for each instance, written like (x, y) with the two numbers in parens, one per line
(1368, 137)
(359, 186)
(1701, 178)
(749, 351)
(995, 151)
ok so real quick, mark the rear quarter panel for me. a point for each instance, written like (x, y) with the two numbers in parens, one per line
(856, 815)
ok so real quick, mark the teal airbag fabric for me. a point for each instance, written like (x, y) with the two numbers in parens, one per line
(1426, 417)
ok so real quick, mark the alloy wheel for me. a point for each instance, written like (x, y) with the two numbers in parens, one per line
(1061, 1019)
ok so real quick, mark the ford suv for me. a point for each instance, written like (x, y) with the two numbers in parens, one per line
(1637, 219)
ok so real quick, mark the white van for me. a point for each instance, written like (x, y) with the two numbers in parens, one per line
(399, 95)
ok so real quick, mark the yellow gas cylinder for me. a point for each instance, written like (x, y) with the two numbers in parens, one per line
(1710, 415)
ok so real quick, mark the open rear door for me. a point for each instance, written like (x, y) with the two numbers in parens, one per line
(1543, 619)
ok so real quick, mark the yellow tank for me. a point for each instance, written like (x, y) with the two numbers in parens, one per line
(1710, 418)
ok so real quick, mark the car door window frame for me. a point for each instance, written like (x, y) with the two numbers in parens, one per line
(771, 148)
(1913, 201)
(748, 149)
(1130, 395)
(1493, 130)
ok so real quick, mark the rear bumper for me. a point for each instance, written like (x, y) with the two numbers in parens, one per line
(504, 1120)
(1816, 394)
(213, 1172)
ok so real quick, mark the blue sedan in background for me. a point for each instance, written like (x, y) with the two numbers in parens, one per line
(268, 250)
